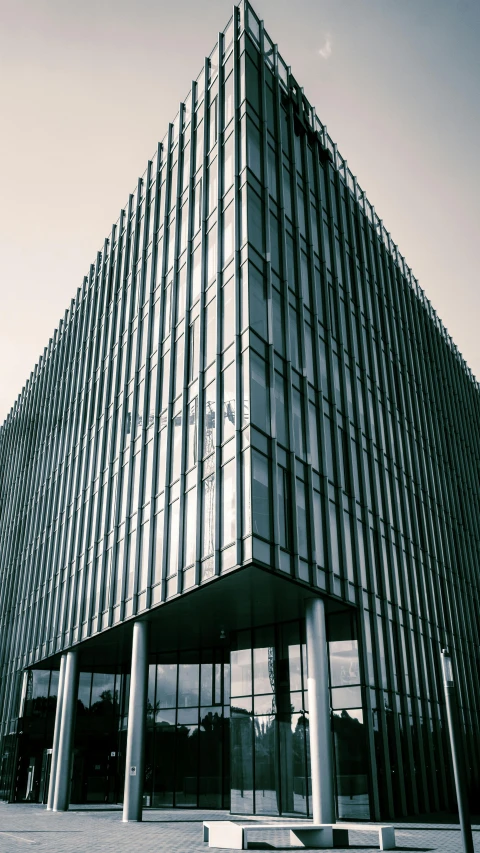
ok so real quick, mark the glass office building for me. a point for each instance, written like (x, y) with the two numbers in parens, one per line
(249, 406)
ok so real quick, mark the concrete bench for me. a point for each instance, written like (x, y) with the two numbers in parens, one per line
(234, 834)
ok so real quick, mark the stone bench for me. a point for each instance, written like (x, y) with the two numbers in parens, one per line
(234, 834)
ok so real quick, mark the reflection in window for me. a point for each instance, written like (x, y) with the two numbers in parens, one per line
(188, 685)
(173, 538)
(260, 495)
(192, 434)
(351, 759)
(228, 163)
(208, 505)
(211, 332)
(228, 503)
(228, 234)
(209, 418)
(256, 230)
(228, 93)
(259, 393)
(228, 313)
(302, 525)
(280, 409)
(190, 527)
(177, 445)
(318, 522)
(284, 509)
(298, 427)
(228, 383)
(194, 349)
(257, 292)
(241, 672)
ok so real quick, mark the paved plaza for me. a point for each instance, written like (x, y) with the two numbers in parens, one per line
(85, 830)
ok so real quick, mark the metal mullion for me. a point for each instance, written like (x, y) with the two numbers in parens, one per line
(41, 515)
(438, 605)
(80, 357)
(185, 391)
(411, 639)
(36, 474)
(367, 541)
(173, 348)
(113, 382)
(140, 284)
(160, 262)
(201, 371)
(96, 298)
(56, 490)
(157, 259)
(330, 391)
(75, 327)
(12, 471)
(110, 283)
(126, 454)
(166, 239)
(120, 391)
(467, 688)
(387, 639)
(267, 272)
(287, 368)
(97, 449)
(13, 582)
(341, 344)
(238, 284)
(317, 391)
(60, 488)
(301, 312)
(149, 331)
(218, 348)
(84, 421)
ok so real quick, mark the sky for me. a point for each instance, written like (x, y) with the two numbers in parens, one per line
(87, 89)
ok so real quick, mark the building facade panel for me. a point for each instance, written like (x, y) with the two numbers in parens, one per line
(250, 376)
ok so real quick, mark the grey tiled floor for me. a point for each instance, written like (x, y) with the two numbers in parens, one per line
(100, 830)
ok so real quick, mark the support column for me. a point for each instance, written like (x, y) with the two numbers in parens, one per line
(137, 713)
(319, 713)
(63, 775)
(56, 734)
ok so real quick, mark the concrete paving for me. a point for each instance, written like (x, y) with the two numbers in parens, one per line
(99, 829)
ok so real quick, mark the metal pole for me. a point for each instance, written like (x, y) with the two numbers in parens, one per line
(137, 712)
(56, 734)
(457, 752)
(63, 774)
(323, 805)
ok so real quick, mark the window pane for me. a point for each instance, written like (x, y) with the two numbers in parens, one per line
(228, 381)
(211, 332)
(209, 419)
(257, 292)
(173, 538)
(260, 495)
(208, 505)
(228, 503)
(192, 434)
(228, 313)
(190, 527)
(188, 685)
(259, 394)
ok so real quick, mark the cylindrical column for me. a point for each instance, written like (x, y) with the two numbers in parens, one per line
(137, 712)
(319, 713)
(63, 776)
(56, 734)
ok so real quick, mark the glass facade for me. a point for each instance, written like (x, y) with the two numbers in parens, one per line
(251, 376)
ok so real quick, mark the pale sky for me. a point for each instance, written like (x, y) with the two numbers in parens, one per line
(88, 88)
